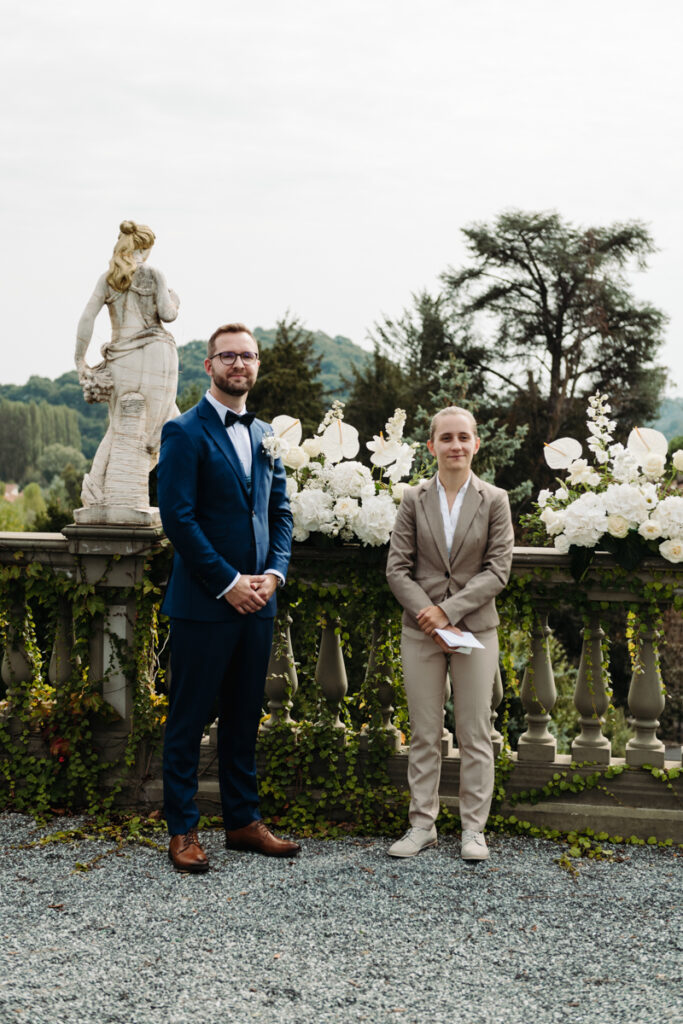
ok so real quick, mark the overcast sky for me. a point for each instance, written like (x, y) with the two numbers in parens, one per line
(320, 156)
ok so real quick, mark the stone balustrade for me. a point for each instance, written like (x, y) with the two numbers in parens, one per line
(112, 559)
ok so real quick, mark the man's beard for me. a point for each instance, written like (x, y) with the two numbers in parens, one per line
(229, 388)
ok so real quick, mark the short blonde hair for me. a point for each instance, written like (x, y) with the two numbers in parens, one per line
(451, 410)
(122, 265)
(235, 328)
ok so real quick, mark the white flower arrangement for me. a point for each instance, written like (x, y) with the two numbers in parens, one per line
(330, 492)
(626, 502)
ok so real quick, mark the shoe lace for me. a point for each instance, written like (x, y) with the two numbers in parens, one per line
(190, 838)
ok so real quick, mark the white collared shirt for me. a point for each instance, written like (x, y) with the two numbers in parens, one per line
(237, 432)
(450, 516)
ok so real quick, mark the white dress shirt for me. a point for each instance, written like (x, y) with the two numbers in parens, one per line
(241, 440)
(450, 516)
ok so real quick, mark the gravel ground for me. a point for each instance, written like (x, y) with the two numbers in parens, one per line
(341, 934)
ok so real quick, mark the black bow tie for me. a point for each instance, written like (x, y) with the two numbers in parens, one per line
(232, 417)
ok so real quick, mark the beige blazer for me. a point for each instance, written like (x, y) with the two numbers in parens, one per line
(465, 581)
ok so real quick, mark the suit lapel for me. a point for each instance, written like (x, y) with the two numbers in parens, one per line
(432, 511)
(470, 506)
(215, 429)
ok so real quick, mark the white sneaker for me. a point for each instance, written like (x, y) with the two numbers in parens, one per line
(473, 845)
(414, 841)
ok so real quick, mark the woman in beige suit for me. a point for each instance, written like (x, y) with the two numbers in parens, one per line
(450, 555)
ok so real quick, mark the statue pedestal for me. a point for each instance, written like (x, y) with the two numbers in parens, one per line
(117, 515)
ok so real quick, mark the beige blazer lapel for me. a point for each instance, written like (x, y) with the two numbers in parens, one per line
(432, 512)
(470, 507)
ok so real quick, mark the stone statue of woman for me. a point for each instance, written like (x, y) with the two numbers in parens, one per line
(138, 378)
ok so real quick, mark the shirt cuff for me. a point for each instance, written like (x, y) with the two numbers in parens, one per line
(229, 587)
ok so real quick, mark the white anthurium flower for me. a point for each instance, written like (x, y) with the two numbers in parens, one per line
(562, 452)
(677, 460)
(384, 450)
(287, 428)
(644, 441)
(339, 441)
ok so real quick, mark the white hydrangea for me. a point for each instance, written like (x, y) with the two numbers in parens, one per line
(585, 520)
(626, 501)
(292, 487)
(624, 464)
(670, 516)
(677, 460)
(349, 478)
(375, 520)
(312, 510)
(561, 544)
(552, 520)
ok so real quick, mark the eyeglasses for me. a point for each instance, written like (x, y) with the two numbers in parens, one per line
(228, 358)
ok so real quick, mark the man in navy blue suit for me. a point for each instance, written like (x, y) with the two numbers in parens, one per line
(223, 503)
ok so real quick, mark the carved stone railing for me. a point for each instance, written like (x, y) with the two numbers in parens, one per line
(113, 559)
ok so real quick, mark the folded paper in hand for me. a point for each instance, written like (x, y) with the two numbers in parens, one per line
(459, 640)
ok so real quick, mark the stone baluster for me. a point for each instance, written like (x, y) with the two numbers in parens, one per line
(383, 680)
(17, 668)
(646, 703)
(590, 699)
(60, 660)
(496, 700)
(281, 680)
(330, 672)
(538, 695)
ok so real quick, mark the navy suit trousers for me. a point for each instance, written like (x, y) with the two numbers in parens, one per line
(224, 661)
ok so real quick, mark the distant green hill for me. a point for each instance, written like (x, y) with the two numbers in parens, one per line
(670, 419)
(339, 355)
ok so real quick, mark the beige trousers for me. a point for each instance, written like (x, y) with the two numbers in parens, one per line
(425, 667)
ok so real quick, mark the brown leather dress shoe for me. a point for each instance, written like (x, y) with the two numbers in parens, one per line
(256, 836)
(186, 853)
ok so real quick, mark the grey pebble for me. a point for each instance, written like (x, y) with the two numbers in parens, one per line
(341, 934)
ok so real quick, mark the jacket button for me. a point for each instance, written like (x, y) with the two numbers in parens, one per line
(447, 575)
(253, 513)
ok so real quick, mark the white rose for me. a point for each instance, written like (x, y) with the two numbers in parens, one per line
(672, 550)
(312, 446)
(561, 493)
(651, 529)
(617, 526)
(653, 465)
(581, 473)
(292, 487)
(678, 460)
(398, 490)
(295, 458)
(543, 498)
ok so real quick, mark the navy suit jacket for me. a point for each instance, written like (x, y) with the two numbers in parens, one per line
(215, 525)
